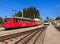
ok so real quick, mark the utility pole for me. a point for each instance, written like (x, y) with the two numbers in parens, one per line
(34, 15)
(22, 13)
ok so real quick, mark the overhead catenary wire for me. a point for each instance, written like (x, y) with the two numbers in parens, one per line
(5, 4)
(25, 2)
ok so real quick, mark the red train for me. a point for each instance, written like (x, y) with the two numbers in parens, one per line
(14, 22)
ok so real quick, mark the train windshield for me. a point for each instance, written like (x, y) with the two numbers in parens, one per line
(7, 20)
(45, 21)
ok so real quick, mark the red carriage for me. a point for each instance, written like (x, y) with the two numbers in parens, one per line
(14, 22)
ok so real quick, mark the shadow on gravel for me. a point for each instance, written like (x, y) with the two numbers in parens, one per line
(58, 28)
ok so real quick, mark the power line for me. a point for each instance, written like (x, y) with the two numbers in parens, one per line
(5, 4)
(26, 2)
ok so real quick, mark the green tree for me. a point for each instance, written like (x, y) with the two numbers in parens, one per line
(30, 12)
(18, 14)
(58, 18)
(0, 20)
(47, 17)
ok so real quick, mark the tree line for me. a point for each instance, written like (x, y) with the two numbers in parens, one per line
(58, 18)
(30, 12)
(0, 20)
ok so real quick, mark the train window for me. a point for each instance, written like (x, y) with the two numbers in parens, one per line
(8, 20)
(30, 20)
(17, 20)
(24, 20)
(5, 20)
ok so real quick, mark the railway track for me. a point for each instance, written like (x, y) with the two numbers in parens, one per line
(22, 37)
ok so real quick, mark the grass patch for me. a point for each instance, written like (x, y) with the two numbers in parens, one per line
(58, 21)
(1, 25)
(41, 21)
(58, 28)
(55, 21)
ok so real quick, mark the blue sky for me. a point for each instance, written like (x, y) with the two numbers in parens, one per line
(50, 8)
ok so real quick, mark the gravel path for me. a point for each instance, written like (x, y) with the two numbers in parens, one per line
(52, 35)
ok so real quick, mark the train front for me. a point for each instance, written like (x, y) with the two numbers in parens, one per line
(8, 23)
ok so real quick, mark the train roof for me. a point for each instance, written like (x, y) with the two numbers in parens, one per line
(20, 18)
